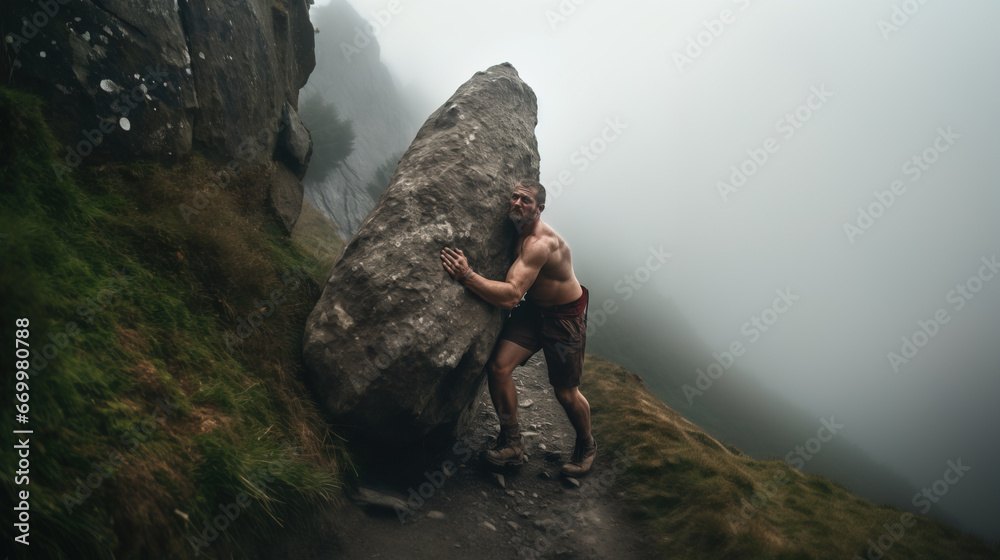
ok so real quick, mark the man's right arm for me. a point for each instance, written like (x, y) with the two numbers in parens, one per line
(520, 277)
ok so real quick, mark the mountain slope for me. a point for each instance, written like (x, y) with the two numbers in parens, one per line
(705, 499)
(350, 75)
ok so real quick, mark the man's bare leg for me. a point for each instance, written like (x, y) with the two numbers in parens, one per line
(503, 392)
(578, 411)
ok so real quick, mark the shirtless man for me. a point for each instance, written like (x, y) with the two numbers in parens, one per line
(553, 317)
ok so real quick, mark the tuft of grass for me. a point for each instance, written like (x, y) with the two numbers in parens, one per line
(701, 498)
(166, 353)
(318, 238)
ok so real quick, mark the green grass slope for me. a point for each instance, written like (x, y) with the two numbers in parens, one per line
(165, 348)
(701, 498)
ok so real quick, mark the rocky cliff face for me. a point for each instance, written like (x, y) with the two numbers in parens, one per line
(152, 79)
(395, 347)
(350, 75)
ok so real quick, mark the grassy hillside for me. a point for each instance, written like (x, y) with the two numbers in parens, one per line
(165, 311)
(704, 499)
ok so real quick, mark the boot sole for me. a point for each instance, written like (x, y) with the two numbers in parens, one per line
(505, 463)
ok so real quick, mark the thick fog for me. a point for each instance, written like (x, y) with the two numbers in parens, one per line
(842, 153)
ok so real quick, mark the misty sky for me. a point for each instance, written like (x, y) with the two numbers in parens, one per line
(864, 98)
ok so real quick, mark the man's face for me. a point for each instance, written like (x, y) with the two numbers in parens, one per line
(523, 206)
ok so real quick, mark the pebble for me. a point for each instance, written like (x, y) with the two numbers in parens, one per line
(542, 446)
(527, 403)
(489, 526)
(498, 478)
(367, 497)
(573, 482)
(435, 515)
(514, 526)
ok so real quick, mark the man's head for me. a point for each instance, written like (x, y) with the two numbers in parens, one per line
(526, 202)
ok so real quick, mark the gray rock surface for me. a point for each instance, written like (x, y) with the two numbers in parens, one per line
(395, 348)
(167, 75)
(294, 144)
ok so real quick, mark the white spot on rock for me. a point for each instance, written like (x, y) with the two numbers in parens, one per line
(343, 319)
(201, 55)
(86, 35)
(42, 54)
(109, 86)
(125, 124)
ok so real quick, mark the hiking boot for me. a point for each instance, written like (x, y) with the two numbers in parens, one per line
(507, 449)
(583, 459)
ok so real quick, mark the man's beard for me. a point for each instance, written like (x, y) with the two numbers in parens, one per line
(520, 220)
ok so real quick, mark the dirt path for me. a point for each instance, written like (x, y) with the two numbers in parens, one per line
(535, 514)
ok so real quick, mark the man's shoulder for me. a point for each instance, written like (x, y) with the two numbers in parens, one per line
(544, 240)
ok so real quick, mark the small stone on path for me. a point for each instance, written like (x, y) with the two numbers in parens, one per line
(499, 480)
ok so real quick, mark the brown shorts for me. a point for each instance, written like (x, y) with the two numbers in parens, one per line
(561, 331)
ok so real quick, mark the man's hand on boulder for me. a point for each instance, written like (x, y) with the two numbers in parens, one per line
(455, 263)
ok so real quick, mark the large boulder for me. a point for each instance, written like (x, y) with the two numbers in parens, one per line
(395, 348)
